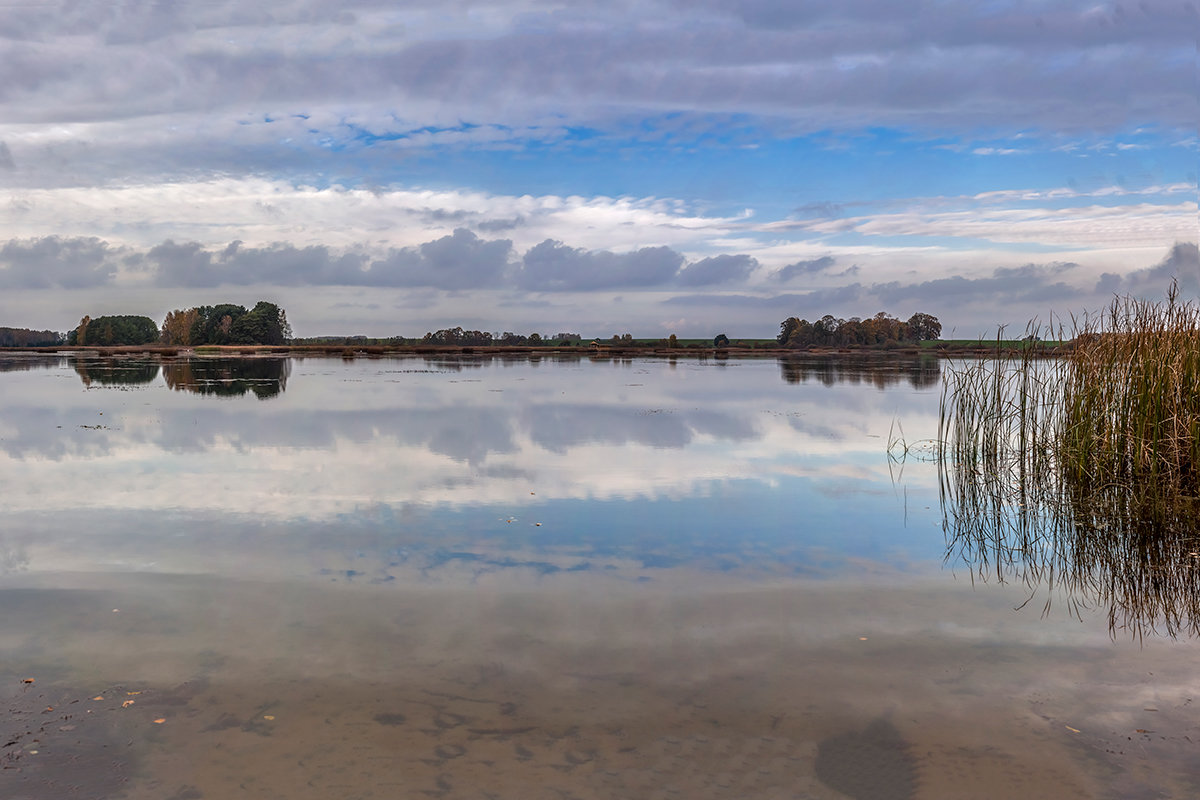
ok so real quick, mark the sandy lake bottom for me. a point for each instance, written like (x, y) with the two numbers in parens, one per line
(789, 691)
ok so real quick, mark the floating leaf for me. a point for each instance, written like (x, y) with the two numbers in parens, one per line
(268, 717)
(127, 704)
(160, 720)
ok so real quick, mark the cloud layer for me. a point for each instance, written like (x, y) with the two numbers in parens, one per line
(95, 87)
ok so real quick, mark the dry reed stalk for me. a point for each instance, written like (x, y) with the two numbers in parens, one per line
(1081, 472)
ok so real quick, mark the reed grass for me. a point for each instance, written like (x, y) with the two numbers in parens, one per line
(1079, 473)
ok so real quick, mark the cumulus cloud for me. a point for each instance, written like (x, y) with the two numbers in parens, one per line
(717, 270)
(1031, 283)
(53, 262)
(187, 264)
(1181, 264)
(805, 268)
(459, 261)
(553, 266)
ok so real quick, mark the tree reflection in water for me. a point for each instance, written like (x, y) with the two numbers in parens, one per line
(23, 362)
(116, 371)
(229, 377)
(882, 371)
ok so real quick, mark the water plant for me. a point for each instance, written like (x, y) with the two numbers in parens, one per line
(1077, 471)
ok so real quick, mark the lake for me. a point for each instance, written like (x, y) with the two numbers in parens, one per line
(535, 578)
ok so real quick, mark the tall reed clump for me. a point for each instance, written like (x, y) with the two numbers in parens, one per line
(1080, 472)
(1131, 399)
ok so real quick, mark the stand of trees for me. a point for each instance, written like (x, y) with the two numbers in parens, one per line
(266, 323)
(877, 330)
(114, 330)
(23, 337)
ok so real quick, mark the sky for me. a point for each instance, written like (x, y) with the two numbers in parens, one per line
(653, 167)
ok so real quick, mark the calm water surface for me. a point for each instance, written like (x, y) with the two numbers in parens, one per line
(396, 578)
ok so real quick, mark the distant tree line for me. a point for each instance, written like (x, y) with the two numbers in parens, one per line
(351, 341)
(463, 338)
(880, 329)
(23, 337)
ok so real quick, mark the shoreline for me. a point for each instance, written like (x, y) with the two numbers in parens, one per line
(936, 348)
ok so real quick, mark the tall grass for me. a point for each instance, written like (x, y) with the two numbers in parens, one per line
(1131, 398)
(1080, 473)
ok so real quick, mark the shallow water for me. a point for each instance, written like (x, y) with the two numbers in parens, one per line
(496, 578)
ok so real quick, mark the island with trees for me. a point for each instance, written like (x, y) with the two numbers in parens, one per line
(225, 324)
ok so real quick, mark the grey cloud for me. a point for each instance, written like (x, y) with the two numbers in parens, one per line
(1109, 283)
(1031, 283)
(717, 270)
(6, 160)
(497, 225)
(802, 268)
(459, 261)
(877, 60)
(1028, 284)
(1182, 263)
(832, 65)
(187, 264)
(553, 266)
(445, 215)
(286, 265)
(1076, 23)
(772, 302)
(55, 262)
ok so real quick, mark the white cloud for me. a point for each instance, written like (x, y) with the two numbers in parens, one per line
(260, 212)
(1138, 225)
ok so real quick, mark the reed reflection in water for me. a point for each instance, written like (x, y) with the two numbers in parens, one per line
(1136, 552)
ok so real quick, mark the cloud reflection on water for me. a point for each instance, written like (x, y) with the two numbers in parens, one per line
(348, 434)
